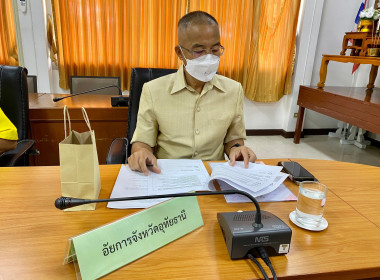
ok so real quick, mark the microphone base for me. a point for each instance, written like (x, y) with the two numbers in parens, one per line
(241, 236)
(119, 101)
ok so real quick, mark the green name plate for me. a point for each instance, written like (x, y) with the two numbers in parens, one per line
(105, 249)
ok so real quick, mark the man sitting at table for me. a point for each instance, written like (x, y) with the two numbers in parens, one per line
(8, 134)
(193, 113)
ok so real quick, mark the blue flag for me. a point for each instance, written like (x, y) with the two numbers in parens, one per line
(357, 16)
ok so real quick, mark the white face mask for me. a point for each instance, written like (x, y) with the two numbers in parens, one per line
(202, 68)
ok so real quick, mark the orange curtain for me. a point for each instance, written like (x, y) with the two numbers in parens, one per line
(109, 37)
(275, 54)
(259, 38)
(8, 44)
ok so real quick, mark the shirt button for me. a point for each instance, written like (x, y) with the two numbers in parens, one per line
(197, 131)
(196, 153)
(198, 109)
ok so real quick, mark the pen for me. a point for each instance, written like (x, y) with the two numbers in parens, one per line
(149, 165)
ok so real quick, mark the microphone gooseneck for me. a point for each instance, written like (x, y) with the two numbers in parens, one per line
(56, 99)
(68, 202)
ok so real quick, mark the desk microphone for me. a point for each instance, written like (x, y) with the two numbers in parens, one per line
(243, 232)
(68, 202)
(56, 99)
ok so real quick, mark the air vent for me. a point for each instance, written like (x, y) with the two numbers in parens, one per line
(241, 217)
(244, 217)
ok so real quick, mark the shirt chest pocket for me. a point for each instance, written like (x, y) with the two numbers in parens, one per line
(219, 124)
(223, 119)
(216, 116)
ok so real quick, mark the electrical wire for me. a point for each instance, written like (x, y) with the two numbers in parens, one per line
(258, 265)
(264, 256)
(272, 270)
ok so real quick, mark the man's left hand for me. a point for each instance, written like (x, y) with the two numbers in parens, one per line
(242, 153)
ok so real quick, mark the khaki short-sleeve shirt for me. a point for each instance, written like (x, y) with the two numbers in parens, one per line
(182, 123)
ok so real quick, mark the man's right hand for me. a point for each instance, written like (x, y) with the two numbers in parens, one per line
(142, 158)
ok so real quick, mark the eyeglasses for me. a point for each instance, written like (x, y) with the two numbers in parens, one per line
(216, 50)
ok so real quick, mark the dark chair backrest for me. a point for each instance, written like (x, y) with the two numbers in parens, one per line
(140, 76)
(85, 83)
(14, 99)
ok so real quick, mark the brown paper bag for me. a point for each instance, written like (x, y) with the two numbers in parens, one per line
(80, 177)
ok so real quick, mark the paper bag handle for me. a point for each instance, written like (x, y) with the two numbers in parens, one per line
(85, 117)
(66, 112)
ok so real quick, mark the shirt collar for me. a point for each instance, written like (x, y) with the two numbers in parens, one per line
(180, 82)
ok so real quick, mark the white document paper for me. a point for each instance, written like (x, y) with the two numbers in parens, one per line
(256, 179)
(282, 193)
(180, 175)
(262, 181)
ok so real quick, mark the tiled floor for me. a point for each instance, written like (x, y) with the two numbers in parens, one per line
(314, 147)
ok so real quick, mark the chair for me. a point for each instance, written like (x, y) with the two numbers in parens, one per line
(120, 149)
(32, 83)
(85, 83)
(15, 104)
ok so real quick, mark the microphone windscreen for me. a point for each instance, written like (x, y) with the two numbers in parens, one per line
(68, 202)
(60, 203)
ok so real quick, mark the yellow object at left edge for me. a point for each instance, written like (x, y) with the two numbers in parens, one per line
(7, 129)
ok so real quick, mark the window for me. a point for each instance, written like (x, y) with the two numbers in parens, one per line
(8, 44)
(109, 38)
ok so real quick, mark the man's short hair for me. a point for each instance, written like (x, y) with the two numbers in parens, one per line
(196, 17)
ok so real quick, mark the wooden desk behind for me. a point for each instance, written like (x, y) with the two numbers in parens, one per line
(354, 105)
(47, 128)
(33, 233)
